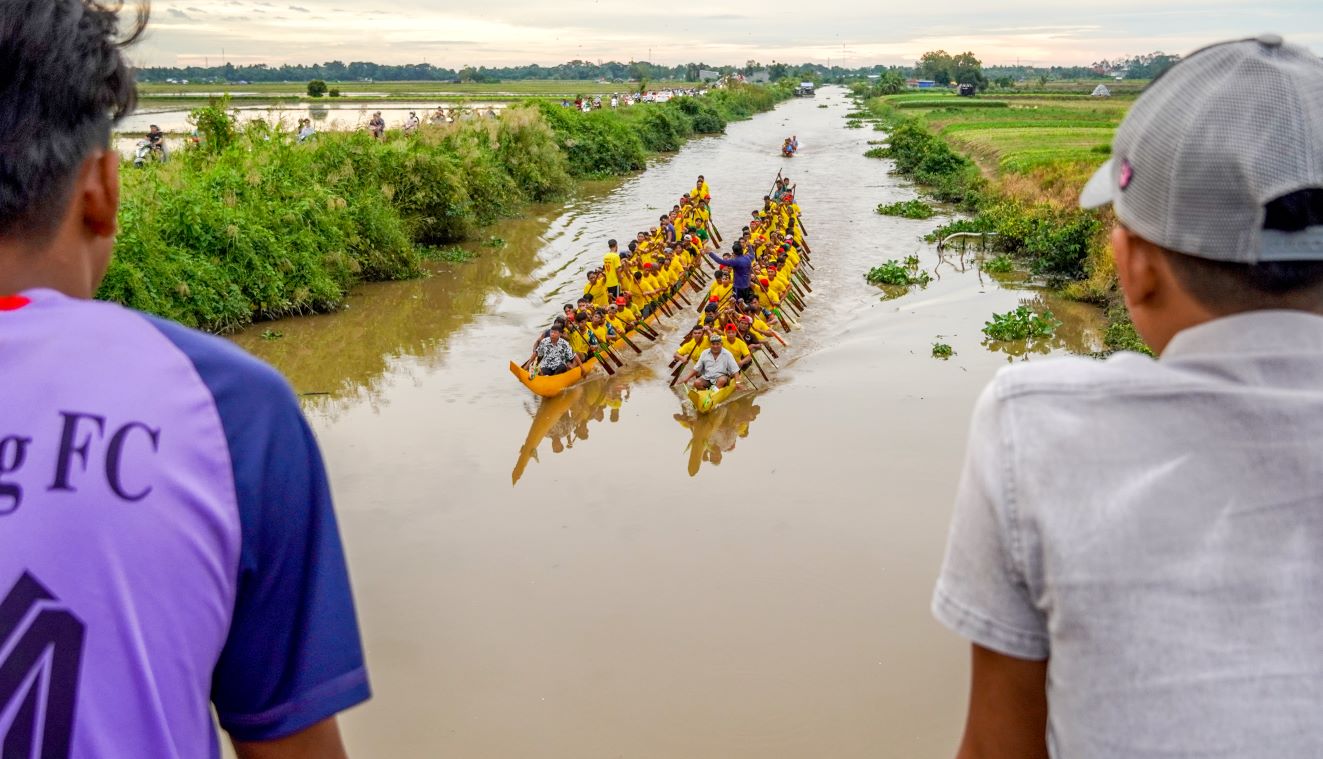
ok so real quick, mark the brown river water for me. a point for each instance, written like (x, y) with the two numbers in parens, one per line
(598, 576)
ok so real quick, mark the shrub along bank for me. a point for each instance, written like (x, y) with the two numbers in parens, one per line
(1027, 197)
(251, 224)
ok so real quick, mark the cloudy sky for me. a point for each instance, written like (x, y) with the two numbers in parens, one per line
(858, 32)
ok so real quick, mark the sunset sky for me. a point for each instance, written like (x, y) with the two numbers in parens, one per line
(506, 32)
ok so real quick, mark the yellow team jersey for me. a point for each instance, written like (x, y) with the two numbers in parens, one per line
(721, 291)
(688, 352)
(577, 342)
(601, 332)
(737, 347)
(596, 291)
(626, 314)
(618, 324)
(611, 268)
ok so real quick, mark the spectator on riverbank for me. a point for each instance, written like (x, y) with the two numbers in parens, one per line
(1137, 547)
(169, 550)
(377, 125)
(306, 130)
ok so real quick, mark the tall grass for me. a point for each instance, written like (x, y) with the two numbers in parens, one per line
(264, 227)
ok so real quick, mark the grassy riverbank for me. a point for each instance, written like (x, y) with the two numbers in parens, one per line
(1017, 164)
(253, 225)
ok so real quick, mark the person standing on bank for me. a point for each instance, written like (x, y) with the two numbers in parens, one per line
(167, 541)
(1137, 546)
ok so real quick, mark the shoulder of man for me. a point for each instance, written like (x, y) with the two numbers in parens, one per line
(1078, 376)
(293, 656)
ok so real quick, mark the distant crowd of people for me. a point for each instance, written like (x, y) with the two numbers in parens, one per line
(615, 99)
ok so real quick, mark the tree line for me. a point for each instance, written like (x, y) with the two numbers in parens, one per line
(938, 65)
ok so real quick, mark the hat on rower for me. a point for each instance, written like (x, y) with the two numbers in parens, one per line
(620, 300)
(1210, 143)
(715, 339)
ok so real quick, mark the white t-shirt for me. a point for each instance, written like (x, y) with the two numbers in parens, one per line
(1154, 529)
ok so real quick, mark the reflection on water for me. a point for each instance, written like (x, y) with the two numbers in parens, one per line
(566, 419)
(1080, 330)
(340, 360)
(715, 434)
(329, 114)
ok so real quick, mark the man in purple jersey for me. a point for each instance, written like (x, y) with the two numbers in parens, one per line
(167, 543)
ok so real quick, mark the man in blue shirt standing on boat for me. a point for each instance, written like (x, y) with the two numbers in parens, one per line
(742, 264)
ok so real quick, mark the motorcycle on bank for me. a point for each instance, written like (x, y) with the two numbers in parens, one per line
(148, 151)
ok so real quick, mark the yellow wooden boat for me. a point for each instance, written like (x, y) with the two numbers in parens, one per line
(553, 385)
(706, 400)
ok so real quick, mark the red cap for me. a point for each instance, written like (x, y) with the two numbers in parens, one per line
(620, 300)
(730, 327)
(763, 281)
(647, 264)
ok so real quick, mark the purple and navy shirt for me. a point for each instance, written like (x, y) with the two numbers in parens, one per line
(167, 542)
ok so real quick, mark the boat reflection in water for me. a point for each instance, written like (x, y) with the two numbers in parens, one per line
(716, 433)
(565, 418)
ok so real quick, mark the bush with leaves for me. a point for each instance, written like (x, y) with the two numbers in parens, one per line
(1021, 324)
(909, 209)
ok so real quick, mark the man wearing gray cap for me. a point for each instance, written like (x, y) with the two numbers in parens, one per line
(1137, 547)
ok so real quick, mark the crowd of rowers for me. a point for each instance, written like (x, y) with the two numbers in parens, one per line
(751, 282)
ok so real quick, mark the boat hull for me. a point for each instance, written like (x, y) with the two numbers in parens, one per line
(705, 401)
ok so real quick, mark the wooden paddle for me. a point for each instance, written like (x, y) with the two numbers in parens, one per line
(628, 342)
(760, 367)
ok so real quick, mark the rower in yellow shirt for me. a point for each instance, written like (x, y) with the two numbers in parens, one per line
(611, 268)
(622, 310)
(701, 189)
(596, 287)
(721, 287)
(693, 346)
(737, 347)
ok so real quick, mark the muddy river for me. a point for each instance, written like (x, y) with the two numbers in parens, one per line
(598, 576)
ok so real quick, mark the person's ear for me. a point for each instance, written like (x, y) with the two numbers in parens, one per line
(98, 186)
(1136, 268)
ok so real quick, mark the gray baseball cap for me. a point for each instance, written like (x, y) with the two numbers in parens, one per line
(1210, 143)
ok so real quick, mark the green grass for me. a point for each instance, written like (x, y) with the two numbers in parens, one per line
(998, 265)
(942, 351)
(946, 103)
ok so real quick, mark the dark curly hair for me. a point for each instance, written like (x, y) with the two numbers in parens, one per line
(63, 85)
